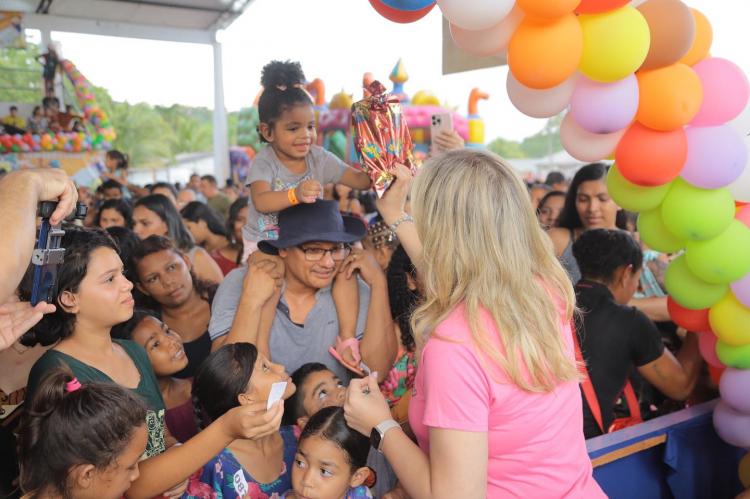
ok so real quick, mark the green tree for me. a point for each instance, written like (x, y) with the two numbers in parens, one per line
(546, 142)
(21, 75)
(143, 134)
(509, 149)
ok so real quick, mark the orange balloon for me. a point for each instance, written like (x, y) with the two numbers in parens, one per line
(672, 31)
(648, 157)
(544, 53)
(669, 97)
(702, 42)
(547, 9)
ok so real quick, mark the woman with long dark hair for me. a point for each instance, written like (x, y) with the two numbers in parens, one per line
(155, 215)
(183, 301)
(209, 231)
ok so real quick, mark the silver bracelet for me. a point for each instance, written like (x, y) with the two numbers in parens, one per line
(404, 218)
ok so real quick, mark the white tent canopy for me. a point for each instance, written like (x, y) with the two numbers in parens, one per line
(188, 21)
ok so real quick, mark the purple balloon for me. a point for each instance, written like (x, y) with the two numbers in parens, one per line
(716, 157)
(732, 426)
(741, 290)
(734, 390)
(604, 107)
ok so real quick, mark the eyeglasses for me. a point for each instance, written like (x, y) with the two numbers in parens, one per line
(316, 254)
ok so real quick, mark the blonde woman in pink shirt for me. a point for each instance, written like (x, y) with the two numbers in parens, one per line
(496, 405)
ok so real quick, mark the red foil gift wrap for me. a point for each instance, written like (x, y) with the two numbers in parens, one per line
(381, 137)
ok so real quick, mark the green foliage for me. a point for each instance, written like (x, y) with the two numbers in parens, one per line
(20, 75)
(247, 128)
(509, 149)
(143, 134)
(539, 145)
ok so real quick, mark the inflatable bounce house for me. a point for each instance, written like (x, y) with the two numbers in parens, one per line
(63, 149)
(334, 117)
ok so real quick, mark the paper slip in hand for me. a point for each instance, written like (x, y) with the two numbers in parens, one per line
(277, 391)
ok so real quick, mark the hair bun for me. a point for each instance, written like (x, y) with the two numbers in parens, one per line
(282, 74)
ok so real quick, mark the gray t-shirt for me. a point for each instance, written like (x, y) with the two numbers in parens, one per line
(322, 166)
(291, 345)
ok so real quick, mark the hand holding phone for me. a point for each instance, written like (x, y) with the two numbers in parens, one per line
(440, 123)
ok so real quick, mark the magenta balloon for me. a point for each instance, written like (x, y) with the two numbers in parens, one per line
(735, 389)
(732, 426)
(741, 290)
(707, 347)
(725, 91)
(584, 145)
(716, 157)
(604, 107)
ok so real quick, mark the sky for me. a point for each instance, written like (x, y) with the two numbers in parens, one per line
(337, 41)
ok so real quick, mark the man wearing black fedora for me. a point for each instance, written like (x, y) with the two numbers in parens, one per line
(314, 244)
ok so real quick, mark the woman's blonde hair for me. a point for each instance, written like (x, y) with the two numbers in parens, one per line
(483, 247)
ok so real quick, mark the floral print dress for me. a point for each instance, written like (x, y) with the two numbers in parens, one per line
(224, 478)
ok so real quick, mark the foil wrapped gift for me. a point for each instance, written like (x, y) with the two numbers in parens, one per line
(381, 136)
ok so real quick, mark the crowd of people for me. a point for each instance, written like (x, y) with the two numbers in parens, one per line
(427, 342)
(47, 117)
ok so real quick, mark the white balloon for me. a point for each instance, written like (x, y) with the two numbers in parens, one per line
(540, 103)
(584, 145)
(475, 14)
(741, 187)
(490, 41)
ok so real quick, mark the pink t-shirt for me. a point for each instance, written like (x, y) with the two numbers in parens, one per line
(536, 444)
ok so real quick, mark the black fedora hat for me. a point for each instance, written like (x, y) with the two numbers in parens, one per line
(318, 221)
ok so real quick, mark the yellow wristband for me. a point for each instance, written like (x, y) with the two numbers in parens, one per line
(292, 196)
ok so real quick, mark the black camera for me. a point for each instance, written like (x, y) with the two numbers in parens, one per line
(48, 254)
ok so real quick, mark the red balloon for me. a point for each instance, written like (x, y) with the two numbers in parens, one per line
(398, 15)
(715, 373)
(597, 6)
(692, 320)
(650, 158)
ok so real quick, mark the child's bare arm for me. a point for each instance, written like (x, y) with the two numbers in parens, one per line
(267, 201)
(355, 179)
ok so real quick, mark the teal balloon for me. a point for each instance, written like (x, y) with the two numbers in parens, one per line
(633, 197)
(722, 259)
(730, 356)
(655, 234)
(695, 214)
(688, 290)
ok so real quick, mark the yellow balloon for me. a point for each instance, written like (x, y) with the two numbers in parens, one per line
(729, 319)
(615, 43)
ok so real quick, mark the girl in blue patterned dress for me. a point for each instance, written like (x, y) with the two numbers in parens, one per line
(330, 460)
(237, 374)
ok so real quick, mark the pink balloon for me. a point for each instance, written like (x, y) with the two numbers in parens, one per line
(584, 145)
(732, 426)
(725, 91)
(741, 291)
(540, 103)
(604, 107)
(490, 41)
(716, 157)
(707, 347)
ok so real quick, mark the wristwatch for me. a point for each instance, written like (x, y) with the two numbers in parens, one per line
(378, 433)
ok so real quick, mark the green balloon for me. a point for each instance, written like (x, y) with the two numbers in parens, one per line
(337, 144)
(723, 259)
(633, 197)
(655, 234)
(696, 214)
(737, 357)
(689, 291)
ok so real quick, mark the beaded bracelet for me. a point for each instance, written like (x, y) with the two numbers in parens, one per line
(404, 218)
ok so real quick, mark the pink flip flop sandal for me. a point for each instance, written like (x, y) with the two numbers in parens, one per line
(341, 346)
